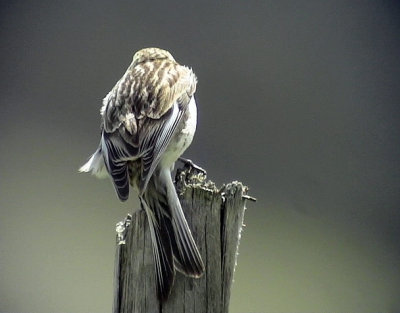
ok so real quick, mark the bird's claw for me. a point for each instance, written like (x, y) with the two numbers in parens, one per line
(191, 166)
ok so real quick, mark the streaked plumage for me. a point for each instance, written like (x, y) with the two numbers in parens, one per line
(148, 121)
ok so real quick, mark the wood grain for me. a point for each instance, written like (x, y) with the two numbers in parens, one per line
(215, 217)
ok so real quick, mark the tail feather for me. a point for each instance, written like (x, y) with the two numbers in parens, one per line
(173, 243)
(186, 254)
(162, 251)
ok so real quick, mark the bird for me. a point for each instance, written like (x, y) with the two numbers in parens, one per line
(148, 120)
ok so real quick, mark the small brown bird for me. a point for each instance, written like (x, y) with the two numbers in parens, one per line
(148, 121)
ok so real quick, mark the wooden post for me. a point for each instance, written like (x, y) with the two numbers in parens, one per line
(215, 217)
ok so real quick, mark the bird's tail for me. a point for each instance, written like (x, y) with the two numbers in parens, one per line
(162, 249)
(186, 254)
(173, 243)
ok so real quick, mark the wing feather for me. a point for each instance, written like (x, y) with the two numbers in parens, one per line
(140, 117)
(156, 142)
(116, 153)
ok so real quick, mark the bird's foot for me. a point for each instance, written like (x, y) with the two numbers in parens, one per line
(190, 166)
(189, 174)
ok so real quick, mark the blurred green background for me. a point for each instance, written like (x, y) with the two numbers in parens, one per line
(297, 99)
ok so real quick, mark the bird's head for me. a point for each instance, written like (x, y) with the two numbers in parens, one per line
(151, 54)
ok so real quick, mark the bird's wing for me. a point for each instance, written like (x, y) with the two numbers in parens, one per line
(154, 96)
(116, 151)
(168, 93)
(156, 139)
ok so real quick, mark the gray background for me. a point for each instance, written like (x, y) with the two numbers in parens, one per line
(297, 99)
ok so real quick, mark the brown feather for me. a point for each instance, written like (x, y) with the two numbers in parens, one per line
(149, 88)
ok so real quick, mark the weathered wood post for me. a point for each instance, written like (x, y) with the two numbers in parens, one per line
(215, 217)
